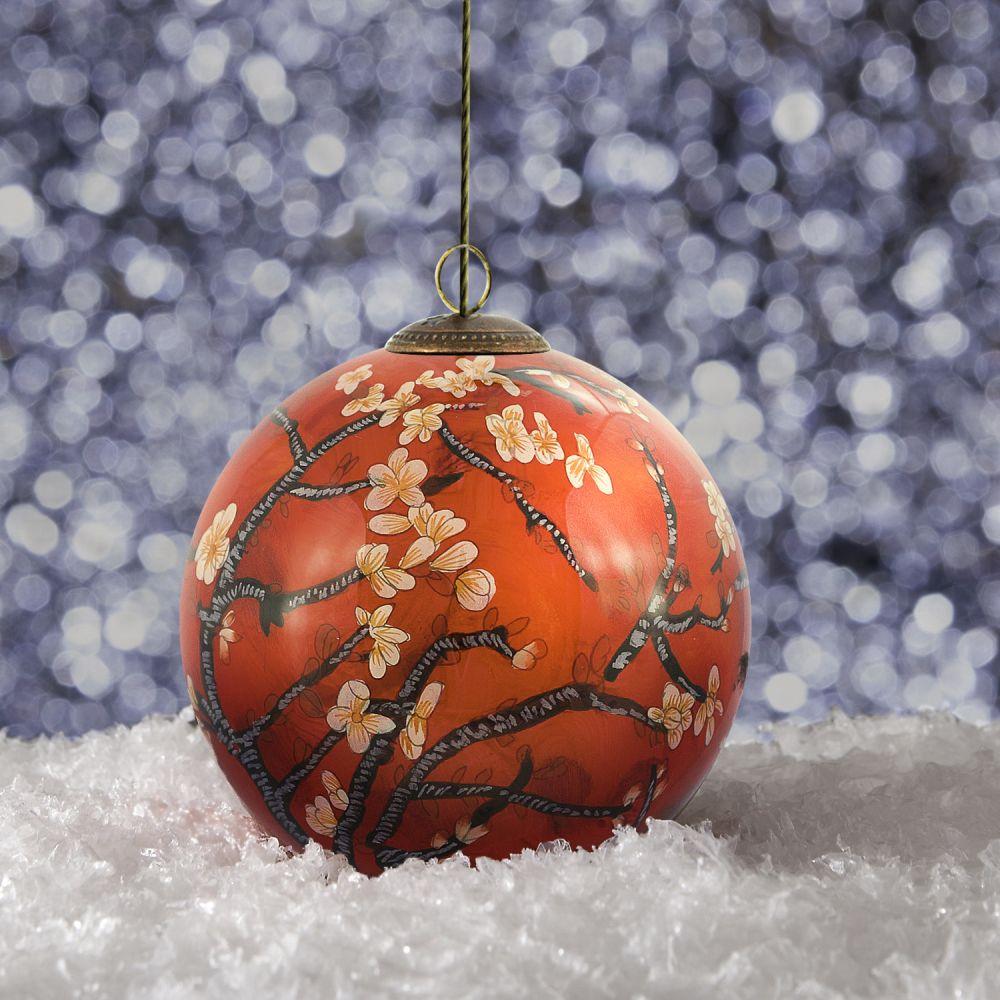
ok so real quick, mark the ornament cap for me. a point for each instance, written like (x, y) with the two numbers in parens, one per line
(476, 334)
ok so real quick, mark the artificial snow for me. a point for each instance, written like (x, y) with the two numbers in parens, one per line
(858, 857)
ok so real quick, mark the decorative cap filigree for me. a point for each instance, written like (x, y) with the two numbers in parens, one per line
(477, 334)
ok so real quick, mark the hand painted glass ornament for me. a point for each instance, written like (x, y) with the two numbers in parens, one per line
(464, 594)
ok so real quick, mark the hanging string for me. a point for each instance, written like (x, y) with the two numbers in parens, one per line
(463, 238)
(464, 247)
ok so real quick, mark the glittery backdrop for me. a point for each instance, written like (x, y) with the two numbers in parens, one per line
(780, 222)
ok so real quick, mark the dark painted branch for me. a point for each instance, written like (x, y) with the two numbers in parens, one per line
(493, 638)
(291, 427)
(659, 599)
(213, 708)
(291, 781)
(275, 606)
(538, 803)
(524, 715)
(684, 621)
(520, 375)
(534, 517)
(482, 814)
(222, 598)
(545, 385)
(647, 802)
(673, 667)
(266, 504)
(381, 749)
(392, 857)
(308, 492)
(306, 681)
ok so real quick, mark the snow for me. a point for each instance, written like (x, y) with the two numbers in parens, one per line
(857, 857)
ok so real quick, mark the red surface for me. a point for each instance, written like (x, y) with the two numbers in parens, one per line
(551, 742)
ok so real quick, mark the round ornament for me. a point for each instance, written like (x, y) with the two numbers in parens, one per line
(464, 594)
(470, 601)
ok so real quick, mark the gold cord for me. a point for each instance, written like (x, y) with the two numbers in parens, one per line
(463, 235)
(463, 246)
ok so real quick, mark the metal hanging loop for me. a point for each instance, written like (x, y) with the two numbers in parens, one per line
(462, 308)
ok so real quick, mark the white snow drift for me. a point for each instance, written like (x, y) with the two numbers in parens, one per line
(855, 858)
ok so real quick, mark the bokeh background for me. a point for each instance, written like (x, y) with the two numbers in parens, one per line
(778, 221)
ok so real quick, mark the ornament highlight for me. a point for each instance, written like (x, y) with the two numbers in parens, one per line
(441, 603)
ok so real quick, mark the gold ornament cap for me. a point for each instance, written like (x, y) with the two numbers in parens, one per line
(475, 334)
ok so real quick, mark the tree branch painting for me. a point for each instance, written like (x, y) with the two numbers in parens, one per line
(418, 546)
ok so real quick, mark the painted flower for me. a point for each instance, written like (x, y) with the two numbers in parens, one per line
(481, 370)
(320, 813)
(723, 520)
(675, 715)
(456, 383)
(387, 580)
(421, 423)
(227, 635)
(710, 707)
(512, 438)
(547, 446)
(367, 403)
(437, 525)
(214, 545)
(414, 735)
(350, 715)
(349, 381)
(394, 407)
(582, 464)
(399, 479)
(527, 656)
(630, 404)
(467, 833)
(385, 638)
(636, 791)
(475, 589)
(455, 558)
(556, 377)
(427, 378)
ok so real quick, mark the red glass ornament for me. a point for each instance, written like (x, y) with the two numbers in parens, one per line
(464, 603)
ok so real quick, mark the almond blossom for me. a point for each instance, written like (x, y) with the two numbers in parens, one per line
(480, 369)
(351, 716)
(421, 423)
(455, 558)
(710, 707)
(475, 588)
(675, 715)
(213, 548)
(512, 438)
(723, 520)
(467, 833)
(557, 378)
(458, 384)
(349, 381)
(631, 404)
(547, 446)
(227, 635)
(386, 638)
(320, 813)
(387, 580)
(367, 403)
(394, 407)
(528, 655)
(414, 735)
(400, 479)
(582, 464)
